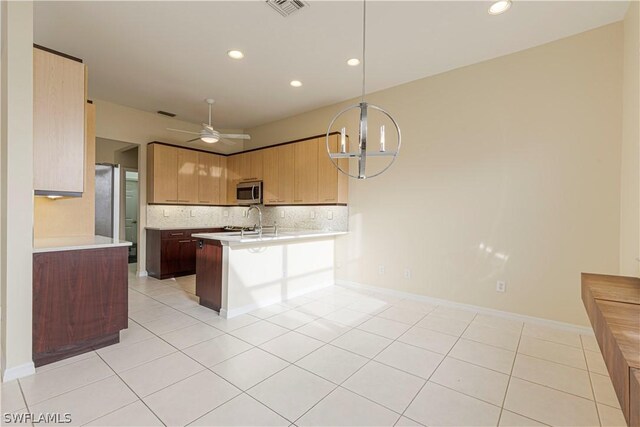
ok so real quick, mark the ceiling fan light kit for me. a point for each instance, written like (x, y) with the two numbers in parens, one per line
(363, 128)
(209, 135)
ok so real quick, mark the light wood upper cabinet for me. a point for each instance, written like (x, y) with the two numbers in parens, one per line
(209, 178)
(58, 123)
(332, 184)
(233, 177)
(270, 178)
(278, 174)
(286, 170)
(222, 184)
(162, 174)
(294, 173)
(306, 172)
(187, 176)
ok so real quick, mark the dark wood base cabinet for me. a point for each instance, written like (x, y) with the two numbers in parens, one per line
(80, 301)
(172, 253)
(209, 273)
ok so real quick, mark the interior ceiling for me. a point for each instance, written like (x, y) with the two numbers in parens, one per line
(171, 55)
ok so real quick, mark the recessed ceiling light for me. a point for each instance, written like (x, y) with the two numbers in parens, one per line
(295, 83)
(235, 54)
(501, 6)
(353, 62)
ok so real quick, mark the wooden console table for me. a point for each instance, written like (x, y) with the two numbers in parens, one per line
(613, 307)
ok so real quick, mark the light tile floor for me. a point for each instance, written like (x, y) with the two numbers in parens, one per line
(334, 357)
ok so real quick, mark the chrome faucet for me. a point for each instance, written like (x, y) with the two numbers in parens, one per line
(256, 207)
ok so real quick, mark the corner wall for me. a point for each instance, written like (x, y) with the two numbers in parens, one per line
(630, 165)
(510, 170)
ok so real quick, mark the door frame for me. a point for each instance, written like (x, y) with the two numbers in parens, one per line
(123, 206)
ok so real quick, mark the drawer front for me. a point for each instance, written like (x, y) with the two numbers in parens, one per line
(186, 233)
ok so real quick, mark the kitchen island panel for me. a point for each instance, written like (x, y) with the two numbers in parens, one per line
(265, 275)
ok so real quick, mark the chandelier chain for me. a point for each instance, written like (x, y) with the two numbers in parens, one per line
(364, 45)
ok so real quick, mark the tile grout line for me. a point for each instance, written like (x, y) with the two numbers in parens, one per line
(132, 391)
(434, 371)
(593, 392)
(513, 364)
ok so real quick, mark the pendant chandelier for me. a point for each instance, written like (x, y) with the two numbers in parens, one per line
(365, 109)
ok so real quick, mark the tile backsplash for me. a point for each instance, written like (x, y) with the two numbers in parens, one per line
(289, 217)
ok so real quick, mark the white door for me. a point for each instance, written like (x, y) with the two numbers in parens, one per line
(131, 207)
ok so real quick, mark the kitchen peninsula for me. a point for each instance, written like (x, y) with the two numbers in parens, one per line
(236, 273)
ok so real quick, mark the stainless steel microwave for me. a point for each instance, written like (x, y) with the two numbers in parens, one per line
(249, 193)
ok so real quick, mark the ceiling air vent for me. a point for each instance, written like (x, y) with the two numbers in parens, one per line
(165, 113)
(287, 7)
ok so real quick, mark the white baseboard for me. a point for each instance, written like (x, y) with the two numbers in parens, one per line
(228, 314)
(19, 371)
(584, 330)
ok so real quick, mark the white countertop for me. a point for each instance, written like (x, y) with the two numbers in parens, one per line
(191, 227)
(233, 238)
(73, 243)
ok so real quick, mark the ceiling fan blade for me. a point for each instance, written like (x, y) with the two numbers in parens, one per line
(194, 139)
(235, 135)
(227, 142)
(183, 131)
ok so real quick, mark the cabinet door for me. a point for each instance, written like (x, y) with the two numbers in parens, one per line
(209, 174)
(327, 172)
(187, 176)
(270, 178)
(286, 172)
(244, 167)
(58, 123)
(233, 177)
(163, 182)
(222, 184)
(256, 168)
(306, 172)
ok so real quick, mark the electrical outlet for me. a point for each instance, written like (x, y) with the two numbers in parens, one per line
(339, 264)
(193, 213)
(165, 212)
(312, 215)
(330, 215)
(407, 273)
(281, 214)
(501, 286)
(225, 214)
(381, 270)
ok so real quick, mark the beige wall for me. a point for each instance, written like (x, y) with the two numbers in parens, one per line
(71, 216)
(520, 154)
(106, 150)
(16, 186)
(630, 170)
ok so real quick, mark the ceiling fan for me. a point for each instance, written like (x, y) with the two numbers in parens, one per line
(209, 135)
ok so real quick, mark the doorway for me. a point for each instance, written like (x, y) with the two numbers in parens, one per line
(132, 191)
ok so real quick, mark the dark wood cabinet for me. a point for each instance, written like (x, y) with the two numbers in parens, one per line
(209, 273)
(172, 253)
(80, 301)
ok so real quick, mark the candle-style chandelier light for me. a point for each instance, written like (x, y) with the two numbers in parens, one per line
(361, 154)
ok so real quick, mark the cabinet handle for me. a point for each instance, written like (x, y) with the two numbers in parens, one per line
(171, 200)
(176, 234)
(183, 200)
(205, 201)
(184, 241)
(297, 200)
(249, 179)
(328, 200)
